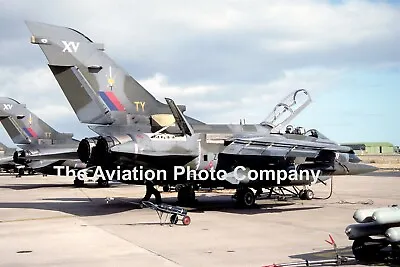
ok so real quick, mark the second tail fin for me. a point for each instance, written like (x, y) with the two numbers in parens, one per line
(24, 127)
(5, 150)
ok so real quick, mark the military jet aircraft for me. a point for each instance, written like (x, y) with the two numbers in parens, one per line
(7, 159)
(35, 137)
(127, 117)
(273, 151)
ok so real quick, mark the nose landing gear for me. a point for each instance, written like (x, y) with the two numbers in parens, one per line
(306, 194)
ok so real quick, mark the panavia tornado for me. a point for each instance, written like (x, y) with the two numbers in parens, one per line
(135, 129)
(35, 137)
(7, 159)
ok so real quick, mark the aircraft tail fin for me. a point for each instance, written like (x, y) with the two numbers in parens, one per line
(3, 147)
(85, 102)
(16, 133)
(5, 150)
(24, 127)
(98, 90)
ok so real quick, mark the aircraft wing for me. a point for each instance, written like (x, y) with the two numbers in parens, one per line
(37, 164)
(54, 154)
(129, 148)
(278, 146)
(276, 151)
(6, 159)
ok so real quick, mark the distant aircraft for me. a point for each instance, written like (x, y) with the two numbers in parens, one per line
(35, 137)
(136, 129)
(7, 159)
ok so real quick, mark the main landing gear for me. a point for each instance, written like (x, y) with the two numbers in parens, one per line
(245, 197)
(20, 173)
(166, 188)
(78, 182)
(103, 183)
(150, 190)
(186, 195)
(100, 182)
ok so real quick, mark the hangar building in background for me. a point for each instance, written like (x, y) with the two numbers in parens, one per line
(372, 148)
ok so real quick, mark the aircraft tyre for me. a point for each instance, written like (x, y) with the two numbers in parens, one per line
(78, 182)
(186, 195)
(166, 188)
(306, 194)
(178, 187)
(103, 183)
(309, 194)
(245, 197)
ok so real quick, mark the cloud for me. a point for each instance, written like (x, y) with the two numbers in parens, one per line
(27, 81)
(212, 43)
(159, 87)
(35, 87)
(231, 102)
(224, 60)
(53, 112)
(38, 89)
(161, 35)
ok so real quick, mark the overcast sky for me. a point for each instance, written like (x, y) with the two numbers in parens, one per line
(225, 60)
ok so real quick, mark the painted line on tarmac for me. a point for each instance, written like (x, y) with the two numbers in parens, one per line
(38, 219)
(86, 195)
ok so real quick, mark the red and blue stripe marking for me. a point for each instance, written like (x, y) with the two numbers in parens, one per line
(111, 101)
(30, 132)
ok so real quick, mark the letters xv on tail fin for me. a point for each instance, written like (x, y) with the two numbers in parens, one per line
(99, 91)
